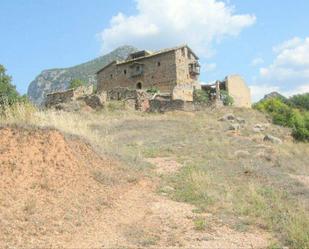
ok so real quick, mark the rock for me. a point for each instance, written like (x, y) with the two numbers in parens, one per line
(228, 117)
(234, 127)
(260, 127)
(257, 130)
(240, 120)
(272, 139)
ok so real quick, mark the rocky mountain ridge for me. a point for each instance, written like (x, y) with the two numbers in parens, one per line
(58, 79)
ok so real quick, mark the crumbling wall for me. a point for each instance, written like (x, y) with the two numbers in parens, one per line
(95, 101)
(183, 92)
(238, 89)
(121, 93)
(142, 101)
(166, 105)
(56, 98)
(53, 99)
(82, 91)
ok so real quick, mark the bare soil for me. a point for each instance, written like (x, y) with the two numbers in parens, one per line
(302, 179)
(164, 165)
(56, 191)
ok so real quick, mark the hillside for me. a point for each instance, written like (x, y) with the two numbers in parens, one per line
(59, 79)
(205, 179)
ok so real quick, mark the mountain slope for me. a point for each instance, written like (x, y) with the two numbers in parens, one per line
(58, 79)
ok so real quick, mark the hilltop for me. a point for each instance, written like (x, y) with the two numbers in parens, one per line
(58, 79)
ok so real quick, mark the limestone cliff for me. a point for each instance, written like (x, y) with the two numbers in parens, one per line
(58, 79)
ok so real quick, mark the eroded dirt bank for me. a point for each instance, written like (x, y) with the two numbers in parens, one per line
(55, 191)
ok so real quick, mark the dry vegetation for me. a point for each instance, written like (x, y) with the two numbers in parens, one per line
(231, 177)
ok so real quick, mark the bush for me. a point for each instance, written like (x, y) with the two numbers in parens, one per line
(201, 96)
(226, 98)
(285, 115)
(300, 101)
(76, 83)
(8, 93)
(153, 90)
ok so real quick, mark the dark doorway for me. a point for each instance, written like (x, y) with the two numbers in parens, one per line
(139, 85)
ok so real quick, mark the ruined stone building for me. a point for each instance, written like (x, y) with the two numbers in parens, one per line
(235, 86)
(174, 71)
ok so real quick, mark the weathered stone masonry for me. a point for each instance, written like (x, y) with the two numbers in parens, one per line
(163, 70)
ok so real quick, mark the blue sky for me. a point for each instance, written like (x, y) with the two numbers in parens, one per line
(266, 41)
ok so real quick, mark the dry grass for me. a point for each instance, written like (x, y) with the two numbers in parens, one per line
(21, 113)
(254, 185)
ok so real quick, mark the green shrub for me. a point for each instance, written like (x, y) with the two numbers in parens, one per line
(95, 89)
(285, 115)
(200, 224)
(153, 90)
(201, 96)
(76, 83)
(8, 93)
(300, 101)
(226, 98)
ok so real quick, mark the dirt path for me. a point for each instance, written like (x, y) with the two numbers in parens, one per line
(141, 218)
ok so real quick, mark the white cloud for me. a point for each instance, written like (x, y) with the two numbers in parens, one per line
(287, 44)
(291, 65)
(289, 72)
(257, 61)
(300, 89)
(209, 67)
(167, 23)
(259, 91)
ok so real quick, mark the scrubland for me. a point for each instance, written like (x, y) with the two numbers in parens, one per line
(230, 177)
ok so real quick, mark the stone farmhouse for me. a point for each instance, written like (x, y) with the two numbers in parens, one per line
(174, 71)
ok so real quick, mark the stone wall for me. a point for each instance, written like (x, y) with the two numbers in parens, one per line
(183, 58)
(95, 101)
(55, 98)
(183, 92)
(134, 99)
(121, 93)
(158, 71)
(238, 89)
(164, 105)
(83, 90)
(163, 71)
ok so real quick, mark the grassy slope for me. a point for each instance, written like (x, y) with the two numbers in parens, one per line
(242, 180)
